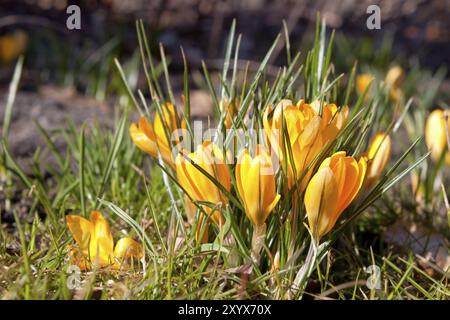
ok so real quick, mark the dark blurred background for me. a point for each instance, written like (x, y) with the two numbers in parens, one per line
(72, 71)
(415, 27)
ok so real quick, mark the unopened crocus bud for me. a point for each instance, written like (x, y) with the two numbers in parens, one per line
(331, 190)
(363, 81)
(377, 157)
(436, 130)
(255, 179)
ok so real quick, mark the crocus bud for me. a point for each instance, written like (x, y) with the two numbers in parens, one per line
(331, 190)
(363, 81)
(436, 135)
(199, 186)
(394, 79)
(255, 179)
(377, 157)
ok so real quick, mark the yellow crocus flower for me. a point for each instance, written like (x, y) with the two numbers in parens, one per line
(363, 81)
(12, 46)
(198, 186)
(308, 133)
(394, 76)
(436, 135)
(331, 190)
(96, 244)
(394, 79)
(377, 157)
(255, 179)
(149, 138)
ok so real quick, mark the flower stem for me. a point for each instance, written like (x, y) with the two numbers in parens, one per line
(259, 236)
(305, 270)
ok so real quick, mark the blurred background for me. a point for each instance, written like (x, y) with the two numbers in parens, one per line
(71, 72)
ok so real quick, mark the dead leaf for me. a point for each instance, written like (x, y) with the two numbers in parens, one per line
(431, 248)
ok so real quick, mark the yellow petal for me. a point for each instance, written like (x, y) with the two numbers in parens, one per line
(127, 248)
(81, 230)
(271, 206)
(256, 185)
(242, 166)
(198, 185)
(309, 134)
(320, 201)
(251, 181)
(269, 197)
(394, 76)
(378, 154)
(363, 81)
(101, 245)
(435, 134)
(142, 141)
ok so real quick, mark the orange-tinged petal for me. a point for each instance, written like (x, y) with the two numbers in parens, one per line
(356, 181)
(156, 139)
(81, 230)
(146, 127)
(142, 141)
(348, 178)
(351, 184)
(269, 207)
(197, 184)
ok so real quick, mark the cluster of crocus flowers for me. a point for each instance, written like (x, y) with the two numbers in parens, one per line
(331, 190)
(437, 130)
(255, 179)
(377, 157)
(308, 128)
(155, 139)
(199, 186)
(95, 244)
